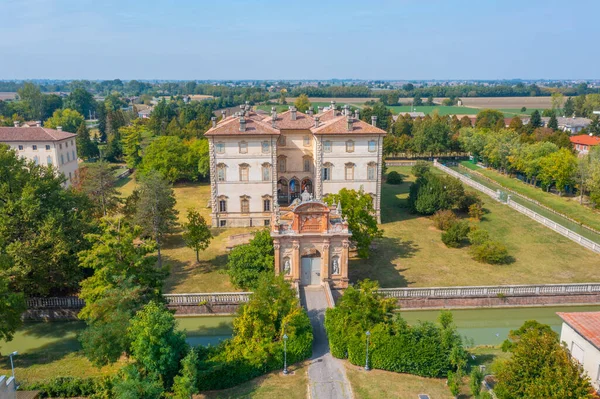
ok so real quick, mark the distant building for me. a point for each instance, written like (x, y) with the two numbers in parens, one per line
(43, 146)
(581, 333)
(145, 113)
(571, 125)
(413, 115)
(583, 143)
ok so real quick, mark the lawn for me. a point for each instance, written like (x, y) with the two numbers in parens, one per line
(283, 108)
(566, 205)
(510, 112)
(411, 252)
(441, 109)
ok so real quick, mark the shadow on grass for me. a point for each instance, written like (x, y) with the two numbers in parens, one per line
(381, 267)
(45, 354)
(55, 329)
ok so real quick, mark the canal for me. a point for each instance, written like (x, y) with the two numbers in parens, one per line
(478, 326)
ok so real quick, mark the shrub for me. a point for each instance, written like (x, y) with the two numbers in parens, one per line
(475, 212)
(394, 178)
(71, 387)
(456, 234)
(478, 236)
(442, 220)
(465, 202)
(246, 263)
(492, 252)
(431, 193)
(476, 380)
(421, 168)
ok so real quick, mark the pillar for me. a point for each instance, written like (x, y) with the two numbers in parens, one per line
(344, 263)
(325, 261)
(276, 247)
(296, 260)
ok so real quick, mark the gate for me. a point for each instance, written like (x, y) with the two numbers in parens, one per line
(311, 271)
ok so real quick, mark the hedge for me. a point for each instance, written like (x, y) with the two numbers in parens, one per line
(71, 387)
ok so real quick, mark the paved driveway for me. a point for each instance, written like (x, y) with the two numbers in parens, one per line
(326, 374)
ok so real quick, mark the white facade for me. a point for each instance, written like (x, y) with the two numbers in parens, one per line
(583, 351)
(260, 163)
(58, 150)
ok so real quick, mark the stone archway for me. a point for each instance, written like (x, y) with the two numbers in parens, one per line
(294, 191)
(310, 268)
(307, 185)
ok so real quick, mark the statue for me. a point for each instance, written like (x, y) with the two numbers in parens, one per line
(287, 268)
(336, 266)
(305, 196)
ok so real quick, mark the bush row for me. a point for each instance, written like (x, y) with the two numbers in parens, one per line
(71, 387)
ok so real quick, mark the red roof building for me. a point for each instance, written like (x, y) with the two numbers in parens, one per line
(583, 142)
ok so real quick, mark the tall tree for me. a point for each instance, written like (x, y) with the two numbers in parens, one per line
(488, 118)
(431, 136)
(131, 137)
(247, 263)
(34, 100)
(569, 108)
(155, 211)
(86, 148)
(302, 103)
(196, 232)
(553, 122)
(81, 101)
(68, 119)
(557, 100)
(357, 208)
(97, 181)
(558, 167)
(384, 115)
(12, 306)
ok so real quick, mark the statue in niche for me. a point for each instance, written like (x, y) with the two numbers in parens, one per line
(335, 266)
(287, 267)
(305, 196)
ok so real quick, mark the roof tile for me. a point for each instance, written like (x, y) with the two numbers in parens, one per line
(14, 134)
(587, 324)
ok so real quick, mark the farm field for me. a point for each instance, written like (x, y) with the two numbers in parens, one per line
(428, 109)
(496, 102)
(412, 254)
(566, 205)
(510, 112)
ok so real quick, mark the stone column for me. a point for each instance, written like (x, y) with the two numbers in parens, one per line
(213, 182)
(318, 187)
(276, 247)
(344, 263)
(325, 261)
(296, 260)
(379, 170)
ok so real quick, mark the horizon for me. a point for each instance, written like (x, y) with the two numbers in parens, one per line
(64, 40)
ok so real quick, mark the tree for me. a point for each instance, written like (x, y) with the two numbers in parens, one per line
(33, 98)
(131, 383)
(196, 233)
(558, 167)
(488, 118)
(302, 103)
(68, 119)
(97, 181)
(12, 306)
(557, 100)
(569, 108)
(81, 101)
(282, 95)
(421, 168)
(535, 120)
(86, 148)
(417, 101)
(175, 159)
(516, 124)
(465, 121)
(156, 345)
(475, 381)
(429, 101)
(384, 115)
(41, 228)
(456, 234)
(131, 138)
(155, 211)
(357, 208)
(246, 263)
(431, 136)
(541, 368)
(186, 381)
(553, 122)
(430, 193)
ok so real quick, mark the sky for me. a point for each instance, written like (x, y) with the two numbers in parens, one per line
(400, 40)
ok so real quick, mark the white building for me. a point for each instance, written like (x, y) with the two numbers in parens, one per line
(47, 147)
(258, 162)
(581, 333)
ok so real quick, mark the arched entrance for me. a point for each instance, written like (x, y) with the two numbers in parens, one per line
(310, 271)
(282, 192)
(294, 189)
(307, 185)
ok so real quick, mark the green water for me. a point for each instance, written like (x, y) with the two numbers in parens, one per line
(575, 227)
(62, 336)
(491, 326)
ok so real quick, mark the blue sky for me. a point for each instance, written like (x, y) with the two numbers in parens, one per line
(187, 39)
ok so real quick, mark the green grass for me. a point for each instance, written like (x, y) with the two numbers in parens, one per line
(566, 205)
(510, 112)
(283, 108)
(441, 109)
(411, 252)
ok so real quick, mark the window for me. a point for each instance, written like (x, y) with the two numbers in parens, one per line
(47, 147)
(73, 152)
(267, 222)
(62, 159)
(70, 178)
(266, 172)
(244, 169)
(307, 162)
(34, 147)
(245, 205)
(49, 160)
(222, 205)
(68, 157)
(577, 352)
(36, 160)
(222, 223)
(282, 140)
(327, 146)
(243, 147)
(306, 141)
(371, 171)
(66, 144)
(265, 147)
(266, 205)
(327, 171)
(349, 146)
(20, 148)
(60, 146)
(281, 163)
(220, 148)
(349, 171)
(221, 175)
(72, 142)
(372, 146)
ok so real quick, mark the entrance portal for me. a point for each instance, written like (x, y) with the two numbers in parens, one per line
(311, 271)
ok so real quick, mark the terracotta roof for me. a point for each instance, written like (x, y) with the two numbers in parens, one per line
(340, 126)
(284, 120)
(231, 126)
(587, 324)
(32, 134)
(585, 139)
(328, 115)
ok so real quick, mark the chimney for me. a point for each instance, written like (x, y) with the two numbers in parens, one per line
(273, 117)
(333, 107)
(59, 128)
(356, 114)
(310, 111)
(242, 123)
(223, 114)
(38, 123)
(346, 110)
(214, 121)
(374, 120)
(293, 112)
(317, 121)
(16, 123)
(349, 121)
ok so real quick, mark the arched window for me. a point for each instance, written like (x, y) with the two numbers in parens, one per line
(49, 160)
(221, 172)
(350, 146)
(74, 158)
(266, 171)
(62, 159)
(266, 203)
(244, 172)
(282, 140)
(349, 171)
(371, 171)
